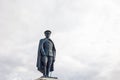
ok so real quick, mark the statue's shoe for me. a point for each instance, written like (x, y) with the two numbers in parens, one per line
(43, 76)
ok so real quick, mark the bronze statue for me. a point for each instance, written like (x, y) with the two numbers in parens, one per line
(46, 55)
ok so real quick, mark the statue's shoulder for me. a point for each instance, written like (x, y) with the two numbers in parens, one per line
(41, 40)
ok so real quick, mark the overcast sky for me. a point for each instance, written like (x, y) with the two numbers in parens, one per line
(86, 34)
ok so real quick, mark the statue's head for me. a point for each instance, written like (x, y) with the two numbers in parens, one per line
(47, 33)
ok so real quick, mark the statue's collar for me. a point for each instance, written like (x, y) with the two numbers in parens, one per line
(47, 39)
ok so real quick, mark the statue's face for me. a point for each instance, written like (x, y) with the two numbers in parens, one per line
(47, 34)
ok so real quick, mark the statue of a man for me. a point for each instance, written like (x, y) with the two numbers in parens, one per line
(46, 55)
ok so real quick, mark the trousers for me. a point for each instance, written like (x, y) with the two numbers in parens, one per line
(47, 62)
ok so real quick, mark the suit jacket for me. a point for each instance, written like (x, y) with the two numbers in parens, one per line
(41, 52)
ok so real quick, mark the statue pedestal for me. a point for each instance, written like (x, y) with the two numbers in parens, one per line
(47, 79)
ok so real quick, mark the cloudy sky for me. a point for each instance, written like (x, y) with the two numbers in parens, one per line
(86, 34)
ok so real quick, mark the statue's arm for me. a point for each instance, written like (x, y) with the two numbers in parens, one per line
(54, 51)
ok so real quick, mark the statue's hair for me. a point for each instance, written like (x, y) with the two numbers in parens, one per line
(47, 31)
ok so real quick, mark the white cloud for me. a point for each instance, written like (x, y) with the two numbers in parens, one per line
(86, 35)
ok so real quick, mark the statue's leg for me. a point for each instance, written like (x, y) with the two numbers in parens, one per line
(44, 58)
(50, 59)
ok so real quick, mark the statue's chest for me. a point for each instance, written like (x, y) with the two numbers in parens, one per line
(48, 43)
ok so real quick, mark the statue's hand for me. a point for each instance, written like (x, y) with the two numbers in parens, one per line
(53, 59)
(44, 55)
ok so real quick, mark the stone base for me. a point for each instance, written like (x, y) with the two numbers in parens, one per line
(46, 79)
